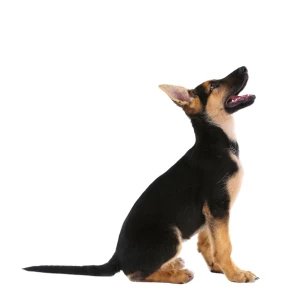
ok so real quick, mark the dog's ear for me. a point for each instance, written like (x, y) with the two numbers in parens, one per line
(184, 98)
(178, 94)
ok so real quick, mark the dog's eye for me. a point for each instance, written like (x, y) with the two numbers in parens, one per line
(213, 85)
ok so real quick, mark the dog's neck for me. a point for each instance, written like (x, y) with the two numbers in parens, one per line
(225, 122)
(214, 132)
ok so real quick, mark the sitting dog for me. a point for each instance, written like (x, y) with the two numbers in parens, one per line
(193, 197)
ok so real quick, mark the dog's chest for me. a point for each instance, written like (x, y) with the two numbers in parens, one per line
(234, 182)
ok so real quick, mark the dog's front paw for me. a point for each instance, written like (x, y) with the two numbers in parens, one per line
(242, 276)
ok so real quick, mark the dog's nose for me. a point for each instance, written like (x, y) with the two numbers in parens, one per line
(243, 70)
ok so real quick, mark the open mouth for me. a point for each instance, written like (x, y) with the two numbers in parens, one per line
(236, 101)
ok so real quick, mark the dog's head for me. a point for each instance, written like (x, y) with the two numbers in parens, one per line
(217, 99)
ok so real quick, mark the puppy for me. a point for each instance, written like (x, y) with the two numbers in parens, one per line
(193, 197)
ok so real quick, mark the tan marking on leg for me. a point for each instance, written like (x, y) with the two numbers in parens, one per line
(234, 182)
(205, 247)
(179, 246)
(170, 276)
(177, 263)
(170, 265)
(219, 230)
(173, 275)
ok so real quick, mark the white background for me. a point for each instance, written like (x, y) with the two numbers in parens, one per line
(84, 130)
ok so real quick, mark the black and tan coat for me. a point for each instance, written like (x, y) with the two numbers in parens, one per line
(193, 197)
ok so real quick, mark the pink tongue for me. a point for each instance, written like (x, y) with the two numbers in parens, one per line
(235, 100)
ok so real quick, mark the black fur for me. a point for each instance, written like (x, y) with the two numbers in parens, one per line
(176, 198)
(108, 269)
(201, 92)
(174, 201)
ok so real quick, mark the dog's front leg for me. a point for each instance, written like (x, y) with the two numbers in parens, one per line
(221, 249)
(205, 247)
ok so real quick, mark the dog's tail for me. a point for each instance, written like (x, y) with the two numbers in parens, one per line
(108, 269)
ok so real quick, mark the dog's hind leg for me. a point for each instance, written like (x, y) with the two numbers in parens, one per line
(170, 276)
(170, 272)
(174, 264)
(155, 257)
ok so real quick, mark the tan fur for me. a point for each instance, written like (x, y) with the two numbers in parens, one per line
(179, 94)
(170, 272)
(184, 98)
(177, 263)
(219, 231)
(234, 182)
(194, 107)
(213, 239)
(170, 276)
(179, 236)
(217, 114)
(205, 247)
(206, 210)
(206, 86)
(179, 248)
(170, 265)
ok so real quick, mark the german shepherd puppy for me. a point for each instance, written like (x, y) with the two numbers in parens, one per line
(193, 197)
